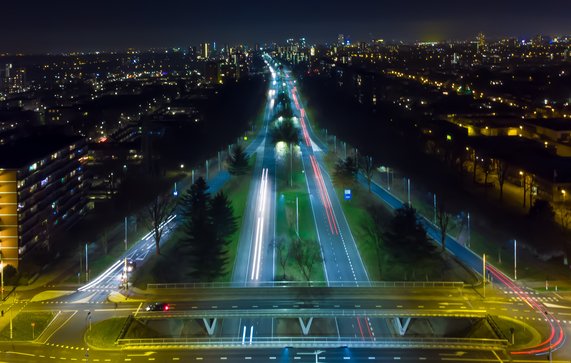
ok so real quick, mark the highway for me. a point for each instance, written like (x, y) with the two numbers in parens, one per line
(556, 335)
(255, 256)
(12, 354)
(341, 258)
(360, 312)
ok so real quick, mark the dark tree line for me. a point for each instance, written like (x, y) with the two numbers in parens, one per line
(208, 223)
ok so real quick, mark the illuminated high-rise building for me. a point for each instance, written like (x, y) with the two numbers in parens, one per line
(341, 40)
(481, 42)
(205, 50)
(43, 189)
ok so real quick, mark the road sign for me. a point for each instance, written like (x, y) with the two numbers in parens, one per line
(348, 194)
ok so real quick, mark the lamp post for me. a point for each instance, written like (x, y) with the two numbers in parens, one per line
(335, 144)
(408, 191)
(126, 231)
(515, 259)
(469, 233)
(484, 273)
(388, 179)
(434, 206)
(297, 215)
(86, 264)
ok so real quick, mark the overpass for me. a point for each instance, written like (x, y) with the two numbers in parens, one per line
(318, 343)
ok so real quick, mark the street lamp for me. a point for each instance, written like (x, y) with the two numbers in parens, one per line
(515, 259)
(484, 273)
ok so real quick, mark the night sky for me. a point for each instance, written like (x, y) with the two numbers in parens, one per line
(62, 25)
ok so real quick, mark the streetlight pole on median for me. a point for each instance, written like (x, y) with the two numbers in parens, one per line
(515, 259)
(335, 143)
(297, 215)
(408, 191)
(126, 231)
(388, 179)
(434, 206)
(484, 273)
(86, 264)
(469, 233)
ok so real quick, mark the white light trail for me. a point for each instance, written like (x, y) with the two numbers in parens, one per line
(101, 277)
(258, 240)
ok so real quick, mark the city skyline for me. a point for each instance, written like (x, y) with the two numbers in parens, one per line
(64, 26)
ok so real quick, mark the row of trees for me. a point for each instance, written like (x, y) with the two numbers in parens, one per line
(346, 171)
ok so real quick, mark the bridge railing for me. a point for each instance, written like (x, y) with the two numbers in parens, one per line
(322, 342)
(378, 284)
(312, 312)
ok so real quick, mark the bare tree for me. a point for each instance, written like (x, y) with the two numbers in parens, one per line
(283, 253)
(104, 241)
(158, 212)
(443, 219)
(368, 168)
(524, 177)
(502, 168)
(307, 255)
(528, 181)
(374, 229)
(532, 185)
(487, 167)
(564, 215)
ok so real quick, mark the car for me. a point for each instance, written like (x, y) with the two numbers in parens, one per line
(158, 307)
(131, 265)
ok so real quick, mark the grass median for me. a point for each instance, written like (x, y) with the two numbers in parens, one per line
(104, 333)
(26, 325)
(288, 213)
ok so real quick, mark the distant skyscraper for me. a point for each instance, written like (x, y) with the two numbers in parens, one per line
(192, 53)
(481, 40)
(12, 80)
(205, 50)
(341, 40)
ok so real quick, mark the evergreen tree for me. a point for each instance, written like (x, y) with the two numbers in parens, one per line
(345, 171)
(238, 161)
(208, 223)
(406, 236)
(196, 227)
(222, 216)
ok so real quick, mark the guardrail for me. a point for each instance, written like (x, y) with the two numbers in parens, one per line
(313, 312)
(379, 284)
(317, 342)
